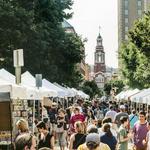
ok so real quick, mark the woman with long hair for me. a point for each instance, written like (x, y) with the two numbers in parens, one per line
(45, 138)
(108, 137)
(78, 137)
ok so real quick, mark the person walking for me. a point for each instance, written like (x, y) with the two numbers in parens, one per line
(45, 138)
(61, 129)
(111, 113)
(133, 118)
(77, 138)
(93, 143)
(25, 141)
(108, 137)
(119, 115)
(140, 130)
(123, 137)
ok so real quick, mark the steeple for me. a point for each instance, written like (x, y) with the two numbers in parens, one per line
(99, 45)
(99, 55)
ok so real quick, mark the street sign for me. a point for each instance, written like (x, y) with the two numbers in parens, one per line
(38, 80)
(18, 58)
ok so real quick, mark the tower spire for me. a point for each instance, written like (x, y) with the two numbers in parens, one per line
(99, 29)
(99, 35)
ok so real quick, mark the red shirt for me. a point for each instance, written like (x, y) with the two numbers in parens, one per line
(75, 118)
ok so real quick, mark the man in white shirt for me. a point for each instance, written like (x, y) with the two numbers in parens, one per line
(111, 113)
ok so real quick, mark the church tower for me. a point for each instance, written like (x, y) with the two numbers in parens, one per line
(99, 58)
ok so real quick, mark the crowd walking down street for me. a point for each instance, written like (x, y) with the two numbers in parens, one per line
(96, 125)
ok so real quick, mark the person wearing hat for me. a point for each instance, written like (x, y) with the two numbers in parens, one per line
(93, 143)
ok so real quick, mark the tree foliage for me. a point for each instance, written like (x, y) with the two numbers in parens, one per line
(35, 26)
(135, 55)
(113, 84)
(91, 88)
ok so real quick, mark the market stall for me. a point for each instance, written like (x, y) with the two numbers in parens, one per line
(6, 134)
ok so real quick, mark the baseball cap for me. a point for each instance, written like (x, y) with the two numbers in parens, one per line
(122, 107)
(92, 129)
(93, 137)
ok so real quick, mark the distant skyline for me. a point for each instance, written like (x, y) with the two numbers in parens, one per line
(88, 16)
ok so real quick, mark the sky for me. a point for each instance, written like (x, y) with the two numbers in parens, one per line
(88, 16)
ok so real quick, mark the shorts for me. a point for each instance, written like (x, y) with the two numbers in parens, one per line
(62, 138)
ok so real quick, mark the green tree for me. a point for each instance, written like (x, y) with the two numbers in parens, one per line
(91, 88)
(135, 54)
(35, 26)
(113, 84)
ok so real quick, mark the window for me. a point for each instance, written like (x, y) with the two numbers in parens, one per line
(139, 12)
(126, 12)
(126, 37)
(126, 21)
(102, 58)
(139, 3)
(126, 3)
(126, 29)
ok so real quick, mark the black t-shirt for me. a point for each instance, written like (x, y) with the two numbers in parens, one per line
(45, 142)
(63, 123)
(79, 139)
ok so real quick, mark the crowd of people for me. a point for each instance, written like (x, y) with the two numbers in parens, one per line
(86, 126)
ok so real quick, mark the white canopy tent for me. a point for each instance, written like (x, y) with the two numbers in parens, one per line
(124, 95)
(49, 85)
(16, 91)
(7, 76)
(118, 96)
(146, 99)
(121, 96)
(138, 97)
(130, 93)
(28, 80)
(83, 95)
(68, 92)
(31, 93)
(80, 93)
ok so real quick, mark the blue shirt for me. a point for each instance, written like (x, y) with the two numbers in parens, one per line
(133, 120)
(109, 140)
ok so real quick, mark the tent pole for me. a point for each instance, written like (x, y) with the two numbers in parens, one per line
(139, 106)
(131, 107)
(33, 115)
(136, 106)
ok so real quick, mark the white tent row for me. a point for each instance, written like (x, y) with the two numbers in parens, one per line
(48, 89)
(69, 92)
(28, 80)
(28, 86)
(124, 95)
(72, 92)
(49, 85)
(141, 97)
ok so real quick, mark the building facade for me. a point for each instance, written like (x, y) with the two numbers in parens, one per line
(128, 12)
(99, 63)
